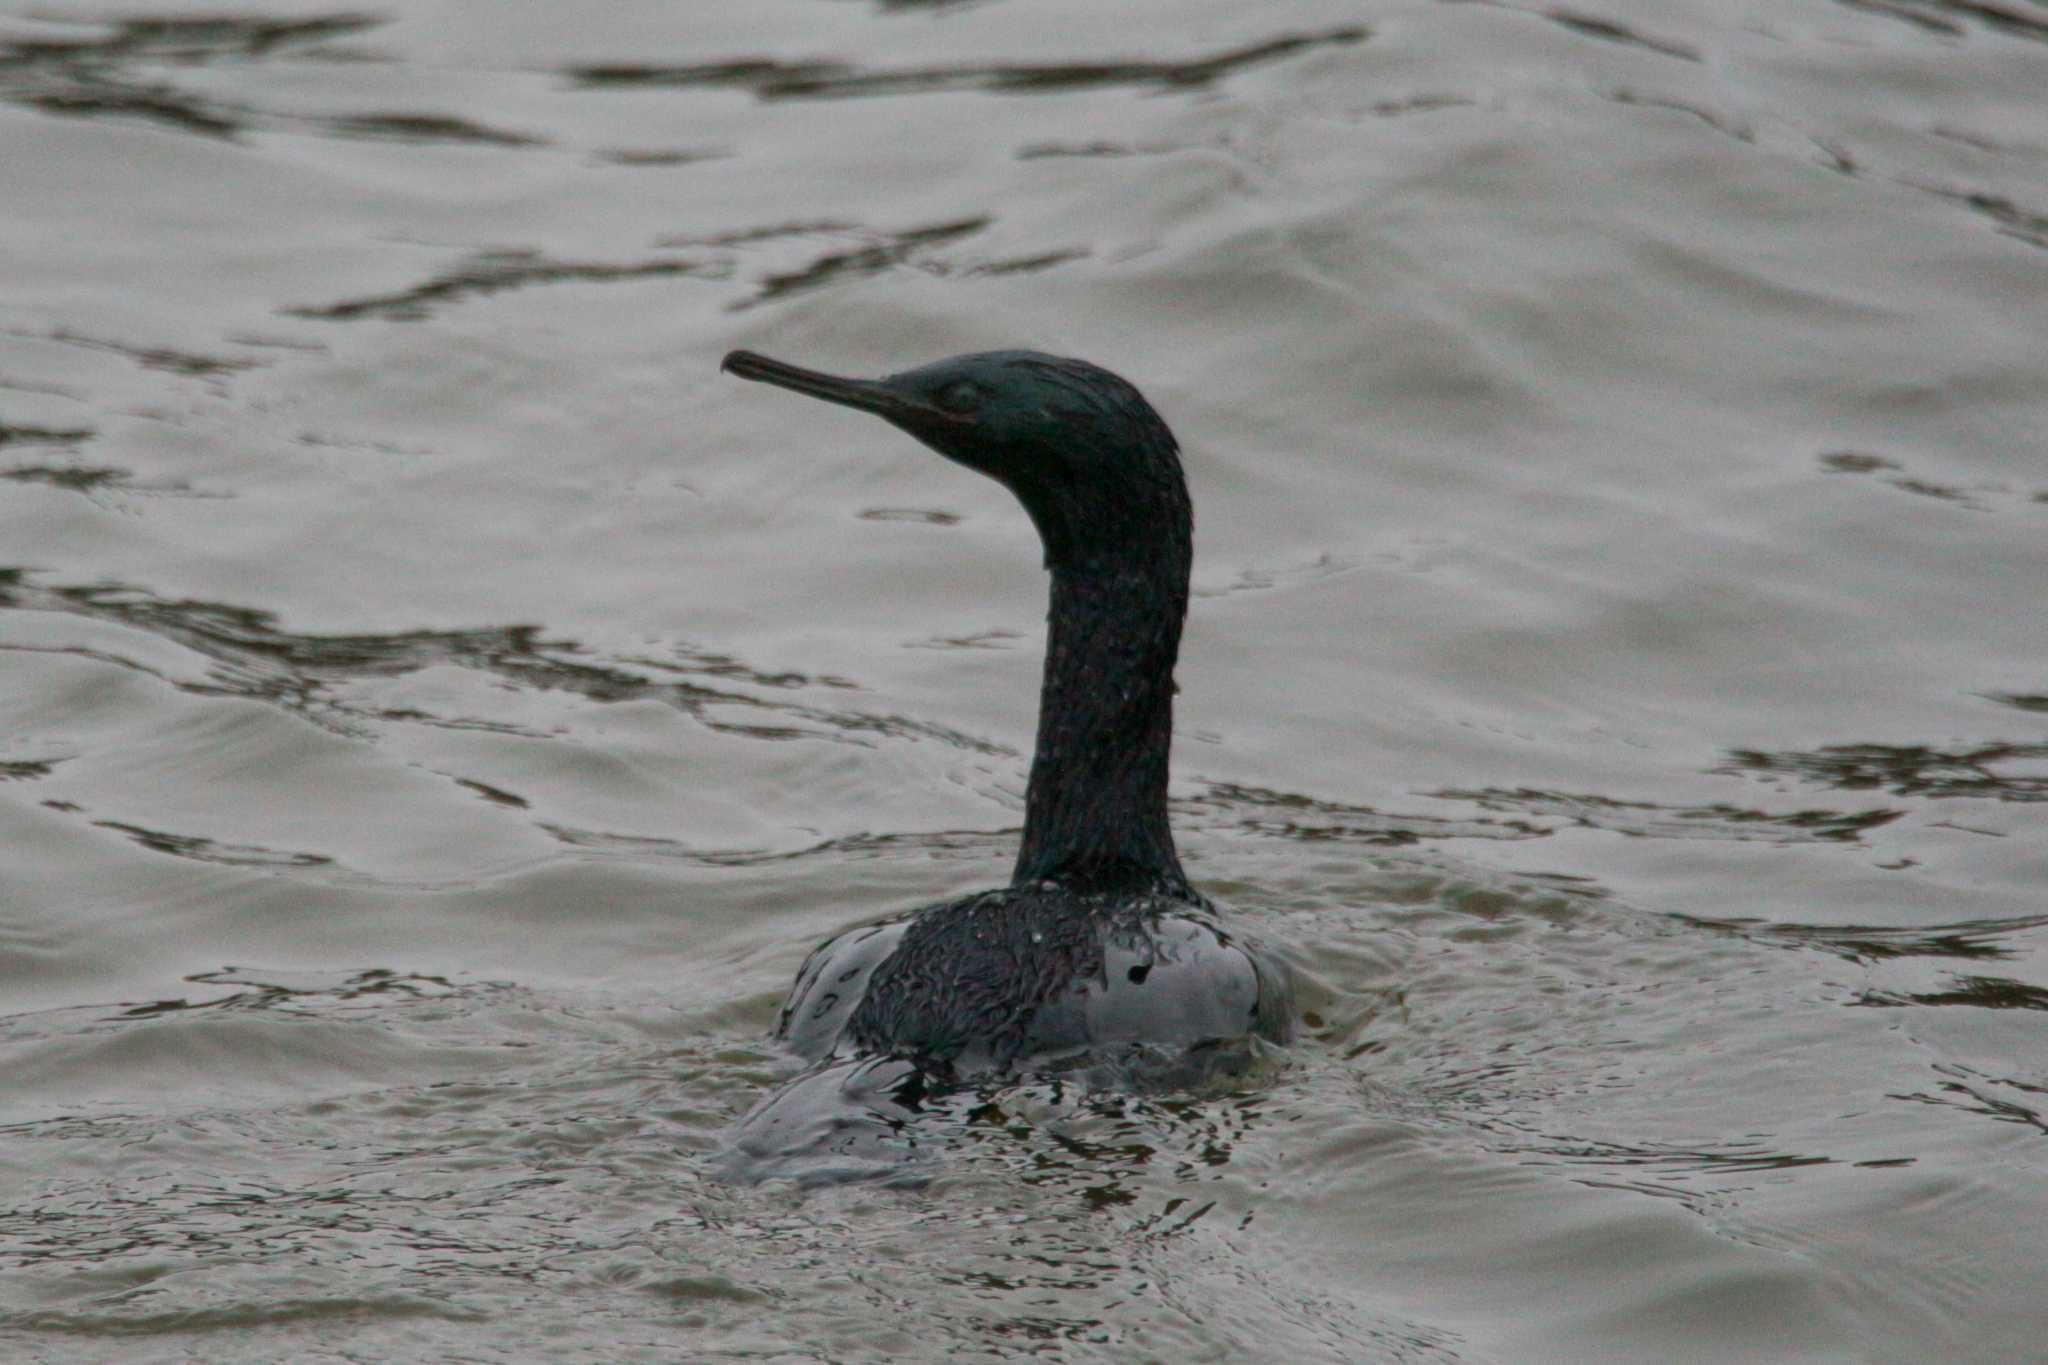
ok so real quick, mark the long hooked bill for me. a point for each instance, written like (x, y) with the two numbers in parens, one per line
(869, 395)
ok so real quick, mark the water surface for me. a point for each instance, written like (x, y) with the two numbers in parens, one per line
(438, 713)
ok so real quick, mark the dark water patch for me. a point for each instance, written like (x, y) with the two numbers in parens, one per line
(96, 77)
(1613, 31)
(1919, 16)
(712, 663)
(1904, 769)
(305, 992)
(1940, 492)
(1421, 104)
(93, 479)
(2011, 20)
(77, 478)
(27, 769)
(1977, 498)
(1835, 157)
(1975, 992)
(1973, 1092)
(1649, 820)
(775, 80)
(1038, 150)
(657, 156)
(270, 985)
(481, 725)
(159, 105)
(983, 639)
(1292, 816)
(187, 364)
(212, 851)
(279, 343)
(2014, 221)
(857, 252)
(193, 40)
(923, 515)
(879, 253)
(785, 720)
(428, 128)
(44, 436)
(1970, 940)
(251, 656)
(493, 272)
(1740, 1156)
(1855, 462)
(932, 846)
(702, 1288)
(1720, 123)
(1027, 265)
(495, 795)
(250, 639)
(758, 74)
(2021, 701)
(810, 227)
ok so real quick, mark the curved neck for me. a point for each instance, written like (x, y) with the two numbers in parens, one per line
(1095, 811)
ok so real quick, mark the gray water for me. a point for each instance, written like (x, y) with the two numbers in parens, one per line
(438, 712)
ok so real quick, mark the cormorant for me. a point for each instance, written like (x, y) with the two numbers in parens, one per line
(1098, 951)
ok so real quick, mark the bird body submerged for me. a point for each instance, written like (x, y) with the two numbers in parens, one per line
(1027, 976)
(1099, 945)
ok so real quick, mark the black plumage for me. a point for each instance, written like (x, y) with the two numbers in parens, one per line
(1099, 940)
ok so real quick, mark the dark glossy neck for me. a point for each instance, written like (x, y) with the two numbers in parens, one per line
(1095, 813)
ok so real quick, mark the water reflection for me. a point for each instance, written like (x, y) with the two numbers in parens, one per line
(92, 480)
(184, 364)
(1906, 769)
(309, 992)
(1969, 1090)
(1613, 31)
(715, 257)
(1312, 820)
(1717, 820)
(494, 272)
(1975, 992)
(2014, 221)
(945, 845)
(249, 655)
(881, 253)
(771, 79)
(428, 128)
(1979, 498)
(212, 850)
(93, 77)
(1975, 940)
(1951, 18)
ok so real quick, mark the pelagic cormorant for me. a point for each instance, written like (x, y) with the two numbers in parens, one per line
(1098, 946)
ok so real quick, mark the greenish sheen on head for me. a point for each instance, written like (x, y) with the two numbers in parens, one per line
(1089, 458)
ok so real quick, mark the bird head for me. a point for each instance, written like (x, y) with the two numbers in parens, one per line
(1092, 462)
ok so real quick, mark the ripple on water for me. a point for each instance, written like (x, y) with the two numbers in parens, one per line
(1614, 441)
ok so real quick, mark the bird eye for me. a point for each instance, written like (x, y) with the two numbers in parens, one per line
(959, 397)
